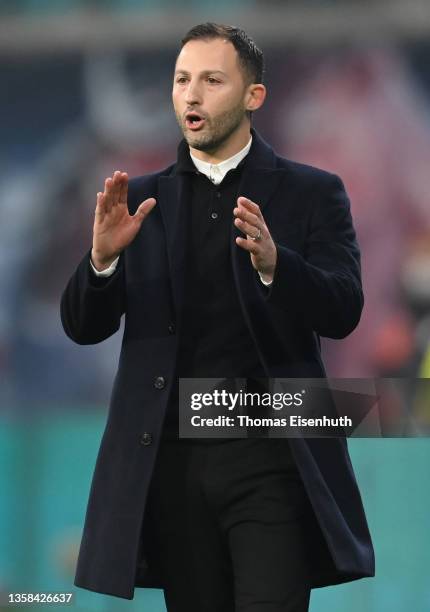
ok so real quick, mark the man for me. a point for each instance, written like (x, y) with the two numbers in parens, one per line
(231, 262)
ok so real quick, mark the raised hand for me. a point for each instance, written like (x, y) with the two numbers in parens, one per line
(258, 241)
(114, 228)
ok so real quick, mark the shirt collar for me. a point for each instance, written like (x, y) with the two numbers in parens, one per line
(216, 172)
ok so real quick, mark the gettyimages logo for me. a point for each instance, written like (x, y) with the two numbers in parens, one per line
(237, 408)
(243, 399)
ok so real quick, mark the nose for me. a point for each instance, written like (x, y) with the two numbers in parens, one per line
(193, 93)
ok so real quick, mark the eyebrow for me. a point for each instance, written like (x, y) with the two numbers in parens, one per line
(203, 72)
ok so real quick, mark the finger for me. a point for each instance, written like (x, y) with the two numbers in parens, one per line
(249, 245)
(250, 205)
(247, 228)
(100, 207)
(112, 190)
(108, 194)
(145, 208)
(116, 179)
(123, 188)
(245, 215)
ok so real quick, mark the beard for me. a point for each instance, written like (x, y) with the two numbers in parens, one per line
(216, 130)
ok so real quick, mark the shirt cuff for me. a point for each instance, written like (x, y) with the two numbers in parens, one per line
(267, 283)
(107, 271)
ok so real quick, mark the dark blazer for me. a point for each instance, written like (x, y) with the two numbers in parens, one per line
(316, 292)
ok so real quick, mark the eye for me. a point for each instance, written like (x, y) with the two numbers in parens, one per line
(212, 80)
(181, 79)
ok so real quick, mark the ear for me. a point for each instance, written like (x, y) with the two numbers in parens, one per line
(255, 96)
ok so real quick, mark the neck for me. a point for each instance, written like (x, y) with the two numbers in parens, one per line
(226, 149)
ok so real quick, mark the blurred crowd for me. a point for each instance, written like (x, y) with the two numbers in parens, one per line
(361, 115)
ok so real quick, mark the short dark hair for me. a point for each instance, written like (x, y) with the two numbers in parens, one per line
(250, 56)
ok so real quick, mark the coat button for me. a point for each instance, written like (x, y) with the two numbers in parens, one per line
(171, 328)
(146, 438)
(159, 382)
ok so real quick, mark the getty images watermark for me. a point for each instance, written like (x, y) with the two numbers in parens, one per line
(281, 407)
(243, 399)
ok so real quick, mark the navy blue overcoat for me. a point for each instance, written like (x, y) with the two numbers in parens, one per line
(316, 292)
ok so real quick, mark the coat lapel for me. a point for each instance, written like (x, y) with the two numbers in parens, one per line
(173, 203)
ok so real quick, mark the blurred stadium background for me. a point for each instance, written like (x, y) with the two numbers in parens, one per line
(85, 90)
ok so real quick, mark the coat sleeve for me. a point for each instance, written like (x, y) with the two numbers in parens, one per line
(323, 286)
(91, 306)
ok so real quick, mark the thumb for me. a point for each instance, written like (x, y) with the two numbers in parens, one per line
(145, 208)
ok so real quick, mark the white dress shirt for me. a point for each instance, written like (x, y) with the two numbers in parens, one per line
(215, 173)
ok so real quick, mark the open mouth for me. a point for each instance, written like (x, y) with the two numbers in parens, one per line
(194, 121)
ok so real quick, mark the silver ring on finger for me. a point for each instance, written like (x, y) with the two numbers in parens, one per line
(257, 237)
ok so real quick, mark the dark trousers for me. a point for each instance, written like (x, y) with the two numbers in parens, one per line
(228, 522)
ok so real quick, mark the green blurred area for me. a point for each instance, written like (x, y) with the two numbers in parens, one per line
(58, 7)
(45, 476)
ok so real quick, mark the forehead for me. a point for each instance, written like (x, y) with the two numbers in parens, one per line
(212, 54)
